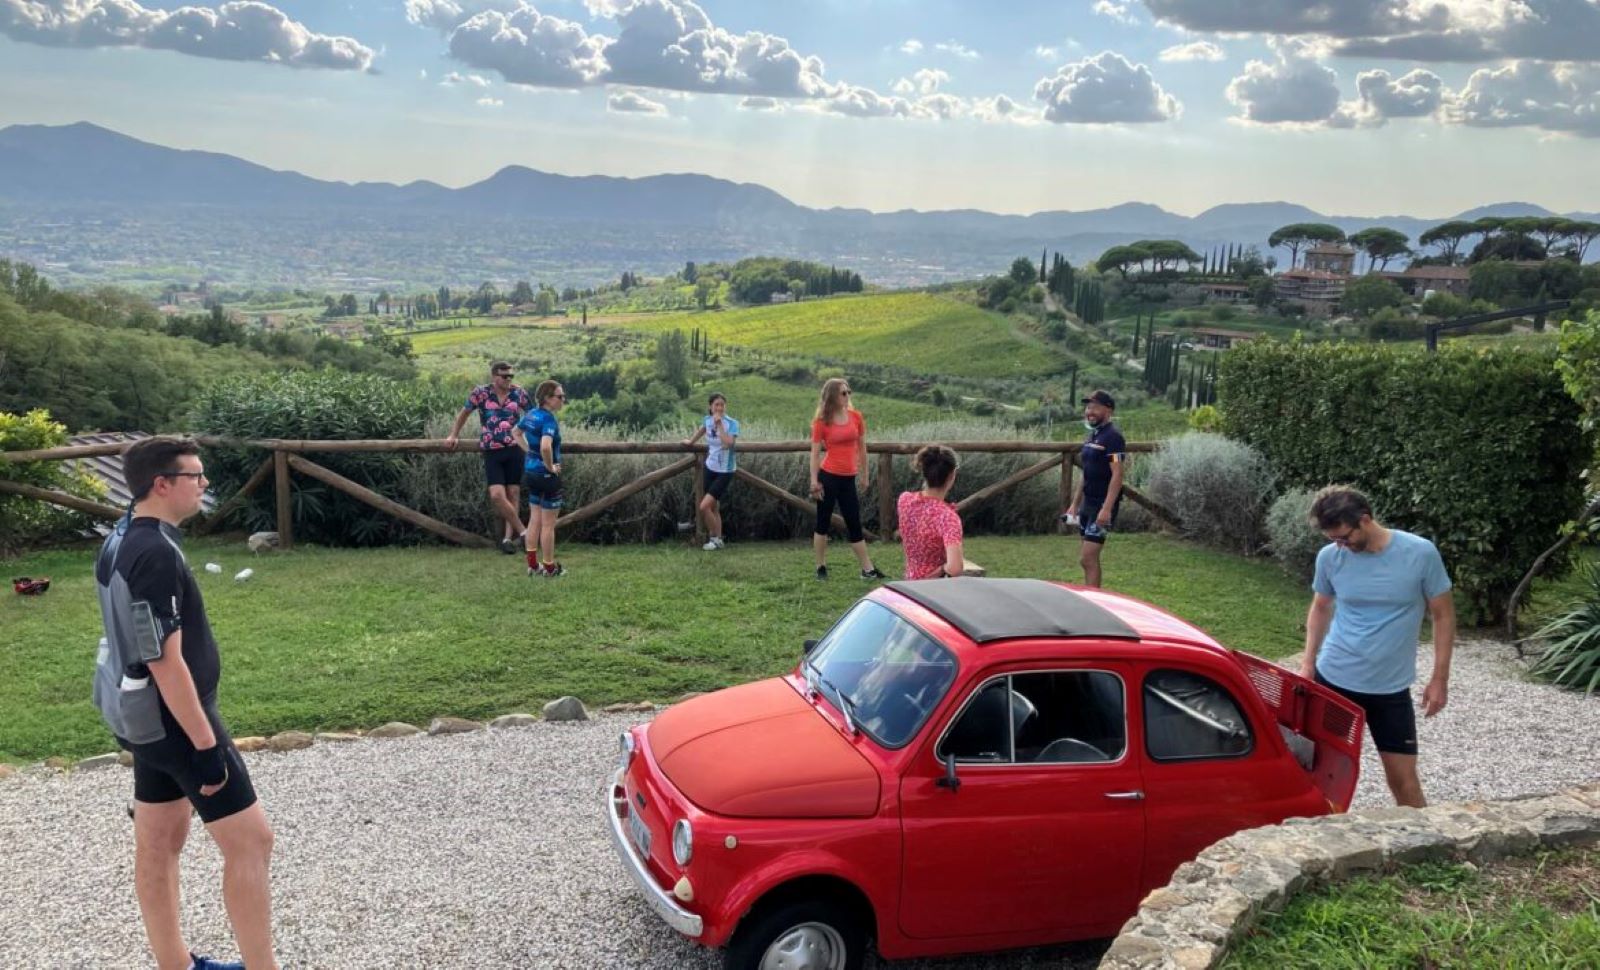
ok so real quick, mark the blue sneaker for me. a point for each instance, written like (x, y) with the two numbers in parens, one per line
(197, 962)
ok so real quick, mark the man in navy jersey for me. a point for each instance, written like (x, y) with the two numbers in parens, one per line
(1095, 501)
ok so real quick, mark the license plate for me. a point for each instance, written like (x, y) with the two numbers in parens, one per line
(639, 833)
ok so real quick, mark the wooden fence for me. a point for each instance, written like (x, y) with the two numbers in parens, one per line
(288, 455)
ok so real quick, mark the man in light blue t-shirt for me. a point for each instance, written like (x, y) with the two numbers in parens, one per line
(1371, 589)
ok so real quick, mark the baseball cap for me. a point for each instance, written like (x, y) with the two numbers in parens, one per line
(1100, 397)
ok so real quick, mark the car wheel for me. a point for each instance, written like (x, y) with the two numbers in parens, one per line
(809, 934)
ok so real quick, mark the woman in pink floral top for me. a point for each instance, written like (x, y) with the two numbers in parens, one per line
(930, 529)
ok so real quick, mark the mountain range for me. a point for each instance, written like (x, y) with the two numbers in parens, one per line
(78, 166)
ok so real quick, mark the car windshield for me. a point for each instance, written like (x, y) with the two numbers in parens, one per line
(890, 674)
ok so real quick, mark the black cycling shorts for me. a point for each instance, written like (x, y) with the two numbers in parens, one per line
(1391, 718)
(163, 771)
(1087, 513)
(543, 488)
(716, 483)
(503, 466)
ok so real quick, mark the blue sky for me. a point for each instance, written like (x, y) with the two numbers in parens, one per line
(1360, 107)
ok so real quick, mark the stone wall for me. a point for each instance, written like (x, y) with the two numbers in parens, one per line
(1214, 900)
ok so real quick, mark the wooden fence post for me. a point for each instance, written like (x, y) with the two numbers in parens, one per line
(280, 468)
(886, 521)
(696, 471)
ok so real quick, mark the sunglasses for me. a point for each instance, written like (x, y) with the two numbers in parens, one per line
(506, 374)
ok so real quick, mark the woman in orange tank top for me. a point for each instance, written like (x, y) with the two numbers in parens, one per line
(840, 477)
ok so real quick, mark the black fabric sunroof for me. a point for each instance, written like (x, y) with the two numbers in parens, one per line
(1003, 609)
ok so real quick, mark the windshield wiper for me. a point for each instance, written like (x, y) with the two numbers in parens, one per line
(846, 705)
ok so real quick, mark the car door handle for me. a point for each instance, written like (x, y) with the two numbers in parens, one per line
(1126, 796)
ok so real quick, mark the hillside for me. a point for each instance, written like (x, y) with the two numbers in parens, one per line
(92, 205)
(919, 332)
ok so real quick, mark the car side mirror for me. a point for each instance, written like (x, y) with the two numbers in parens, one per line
(949, 780)
(808, 646)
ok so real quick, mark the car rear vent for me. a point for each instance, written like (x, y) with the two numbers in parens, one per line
(1338, 721)
(1268, 684)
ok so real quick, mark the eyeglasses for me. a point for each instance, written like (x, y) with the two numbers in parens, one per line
(194, 475)
(506, 374)
(1343, 540)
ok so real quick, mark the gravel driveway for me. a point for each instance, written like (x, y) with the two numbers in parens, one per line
(488, 849)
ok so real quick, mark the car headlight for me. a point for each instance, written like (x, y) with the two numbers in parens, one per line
(682, 842)
(625, 745)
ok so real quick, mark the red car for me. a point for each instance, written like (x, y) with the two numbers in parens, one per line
(963, 765)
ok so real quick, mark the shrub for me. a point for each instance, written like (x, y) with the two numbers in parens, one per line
(324, 405)
(24, 521)
(1294, 541)
(1426, 437)
(1206, 417)
(1571, 640)
(1217, 487)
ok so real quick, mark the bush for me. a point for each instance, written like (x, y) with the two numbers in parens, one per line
(1295, 542)
(1206, 417)
(1217, 487)
(24, 521)
(324, 405)
(1570, 654)
(1425, 437)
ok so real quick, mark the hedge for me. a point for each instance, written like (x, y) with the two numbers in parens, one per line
(1479, 449)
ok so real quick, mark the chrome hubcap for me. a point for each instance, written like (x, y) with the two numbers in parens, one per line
(809, 946)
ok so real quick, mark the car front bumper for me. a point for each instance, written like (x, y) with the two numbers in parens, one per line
(660, 900)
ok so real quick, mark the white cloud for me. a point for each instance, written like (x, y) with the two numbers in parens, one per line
(1105, 89)
(243, 30)
(526, 47)
(1552, 97)
(1200, 50)
(859, 102)
(1380, 96)
(924, 82)
(673, 45)
(912, 46)
(456, 77)
(1001, 108)
(1044, 53)
(490, 103)
(957, 49)
(1422, 30)
(1116, 11)
(632, 102)
(761, 104)
(1293, 90)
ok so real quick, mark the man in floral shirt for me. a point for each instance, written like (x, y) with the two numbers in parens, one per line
(500, 405)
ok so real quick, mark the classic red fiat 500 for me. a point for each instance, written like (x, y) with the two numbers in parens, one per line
(964, 765)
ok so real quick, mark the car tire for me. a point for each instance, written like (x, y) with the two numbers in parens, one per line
(805, 934)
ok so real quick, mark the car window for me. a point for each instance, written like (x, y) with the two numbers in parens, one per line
(1055, 717)
(891, 674)
(1188, 716)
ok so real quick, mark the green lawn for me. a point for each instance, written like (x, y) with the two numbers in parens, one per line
(1538, 912)
(917, 331)
(755, 398)
(327, 639)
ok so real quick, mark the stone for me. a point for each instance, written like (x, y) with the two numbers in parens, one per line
(6, 771)
(565, 709)
(125, 759)
(513, 720)
(1195, 957)
(1163, 899)
(1350, 853)
(453, 725)
(249, 744)
(289, 741)
(58, 763)
(1129, 952)
(394, 729)
(336, 737)
(627, 707)
(98, 761)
